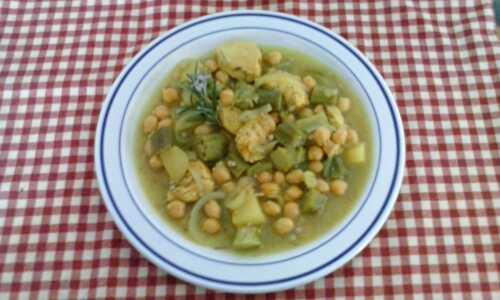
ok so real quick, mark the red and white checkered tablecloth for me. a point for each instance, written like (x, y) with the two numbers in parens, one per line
(58, 58)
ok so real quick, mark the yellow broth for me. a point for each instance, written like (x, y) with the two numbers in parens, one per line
(336, 210)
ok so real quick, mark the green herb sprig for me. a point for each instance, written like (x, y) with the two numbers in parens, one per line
(204, 95)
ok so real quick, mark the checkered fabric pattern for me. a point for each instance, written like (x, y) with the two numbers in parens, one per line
(58, 58)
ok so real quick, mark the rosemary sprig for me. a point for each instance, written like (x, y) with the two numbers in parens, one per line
(204, 95)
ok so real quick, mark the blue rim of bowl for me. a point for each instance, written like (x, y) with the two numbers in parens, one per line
(344, 224)
(304, 274)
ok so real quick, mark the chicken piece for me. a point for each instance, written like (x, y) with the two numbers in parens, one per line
(198, 180)
(241, 60)
(291, 86)
(252, 138)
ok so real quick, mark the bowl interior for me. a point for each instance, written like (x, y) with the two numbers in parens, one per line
(153, 79)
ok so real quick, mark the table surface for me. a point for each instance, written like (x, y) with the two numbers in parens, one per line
(58, 59)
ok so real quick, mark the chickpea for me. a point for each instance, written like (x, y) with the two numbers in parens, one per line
(155, 162)
(274, 57)
(352, 136)
(344, 104)
(270, 189)
(283, 226)
(147, 148)
(176, 209)
(287, 198)
(279, 177)
(309, 82)
(150, 124)
(340, 136)
(264, 177)
(211, 65)
(338, 187)
(274, 123)
(276, 117)
(170, 95)
(210, 226)
(212, 209)
(293, 192)
(290, 118)
(322, 185)
(170, 196)
(228, 187)
(291, 210)
(221, 77)
(161, 111)
(221, 173)
(295, 177)
(167, 122)
(271, 208)
(321, 136)
(315, 153)
(203, 129)
(316, 166)
(306, 112)
(319, 109)
(226, 97)
(330, 148)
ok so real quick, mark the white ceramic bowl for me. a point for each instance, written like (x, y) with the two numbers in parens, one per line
(178, 256)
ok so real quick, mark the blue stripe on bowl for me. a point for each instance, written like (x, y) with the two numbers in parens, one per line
(282, 280)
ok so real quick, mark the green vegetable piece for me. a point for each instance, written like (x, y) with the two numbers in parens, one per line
(284, 158)
(304, 166)
(235, 200)
(245, 95)
(211, 147)
(161, 139)
(300, 155)
(247, 237)
(272, 97)
(309, 124)
(335, 116)
(356, 154)
(313, 201)
(324, 95)
(334, 168)
(279, 199)
(186, 97)
(238, 196)
(284, 115)
(310, 179)
(191, 155)
(249, 213)
(259, 167)
(235, 163)
(248, 115)
(175, 161)
(186, 121)
(288, 134)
